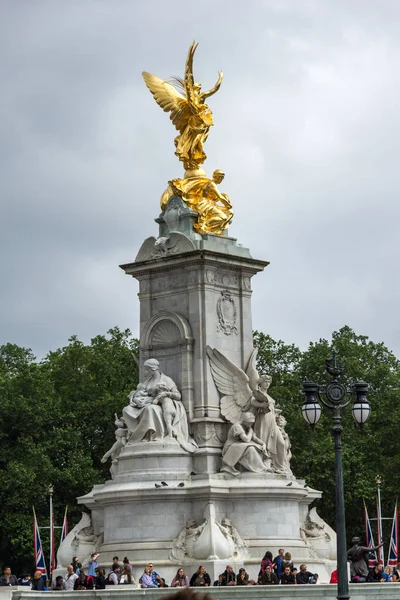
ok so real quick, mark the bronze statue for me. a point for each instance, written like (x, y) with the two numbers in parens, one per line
(189, 112)
(358, 557)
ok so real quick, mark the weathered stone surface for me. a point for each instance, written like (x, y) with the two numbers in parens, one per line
(366, 591)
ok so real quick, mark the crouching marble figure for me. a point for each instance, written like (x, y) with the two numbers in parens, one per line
(244, 448)
(155, 411)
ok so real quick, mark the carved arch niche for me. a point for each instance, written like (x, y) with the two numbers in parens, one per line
(167, 336)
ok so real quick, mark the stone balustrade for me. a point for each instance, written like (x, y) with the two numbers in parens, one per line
(368, 591)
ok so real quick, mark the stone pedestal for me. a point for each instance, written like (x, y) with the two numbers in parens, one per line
(193, 293)
(142, 521)
(152, 462)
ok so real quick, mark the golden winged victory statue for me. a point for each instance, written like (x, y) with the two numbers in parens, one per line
(192, 117)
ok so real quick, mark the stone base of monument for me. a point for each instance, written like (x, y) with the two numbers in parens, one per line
(213, 519)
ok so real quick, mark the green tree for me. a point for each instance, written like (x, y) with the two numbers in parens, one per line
(56, 422)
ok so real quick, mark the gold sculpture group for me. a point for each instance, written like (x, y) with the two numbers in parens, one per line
(193, 119)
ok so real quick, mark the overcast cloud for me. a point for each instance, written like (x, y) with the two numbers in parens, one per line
(307, 131)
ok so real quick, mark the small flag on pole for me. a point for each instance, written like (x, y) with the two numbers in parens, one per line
(37, 544)
(394, 540)
(369, 536)
(64, 531)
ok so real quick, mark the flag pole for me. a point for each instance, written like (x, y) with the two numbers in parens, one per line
(34, 535)
(369, 536)
(51, 490)
(379, 520)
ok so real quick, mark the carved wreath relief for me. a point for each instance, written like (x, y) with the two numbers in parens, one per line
(227, 313)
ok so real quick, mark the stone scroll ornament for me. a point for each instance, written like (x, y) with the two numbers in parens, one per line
(81, 541)
(318, 536)
(227, 313)
(244, 392)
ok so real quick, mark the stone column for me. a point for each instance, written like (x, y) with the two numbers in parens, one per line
(188, 300)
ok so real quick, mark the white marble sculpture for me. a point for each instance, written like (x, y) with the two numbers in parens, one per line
(267, 427)
(121, 438)
(179, 550)
(244, 448)
(317, 534)
(209, 541)
(81, 541)
(281, 422)
(155, 411)
(247, 391)
(241, 547)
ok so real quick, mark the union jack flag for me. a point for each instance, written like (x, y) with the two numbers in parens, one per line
(370, 538)
(37, 544)
(394, 540)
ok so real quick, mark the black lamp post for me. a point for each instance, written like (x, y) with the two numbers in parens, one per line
(336, 396)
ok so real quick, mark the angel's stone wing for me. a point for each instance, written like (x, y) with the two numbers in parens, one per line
(232, 383)
(169, 99)
(251, 370)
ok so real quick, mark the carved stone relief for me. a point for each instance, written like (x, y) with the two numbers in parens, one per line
(170, 281)
(208, 433)
(165, 332)
(227, 313)
(246, 283)
(211, 540)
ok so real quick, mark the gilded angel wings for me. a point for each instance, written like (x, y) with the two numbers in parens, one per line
(237, 388)
(189, 112)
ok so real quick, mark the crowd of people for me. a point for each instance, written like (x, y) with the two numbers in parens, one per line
(381, 574)
(273, 571)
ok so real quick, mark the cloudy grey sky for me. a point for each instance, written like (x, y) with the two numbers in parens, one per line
(307, 131)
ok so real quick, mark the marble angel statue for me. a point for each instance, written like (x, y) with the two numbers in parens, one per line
(246, 391)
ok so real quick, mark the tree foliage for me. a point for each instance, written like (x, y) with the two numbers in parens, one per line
(56, 422)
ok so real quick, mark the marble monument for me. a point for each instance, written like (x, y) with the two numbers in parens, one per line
(200, 467)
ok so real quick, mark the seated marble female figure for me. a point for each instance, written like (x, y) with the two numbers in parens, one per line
(156, 413)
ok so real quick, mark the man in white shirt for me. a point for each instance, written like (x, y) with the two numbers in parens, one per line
(115, 575)
(70, 578)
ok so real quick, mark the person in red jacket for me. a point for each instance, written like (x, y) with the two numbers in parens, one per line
(334, 576)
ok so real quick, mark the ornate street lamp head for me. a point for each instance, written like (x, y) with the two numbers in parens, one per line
(311, 409)
(361, 407)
